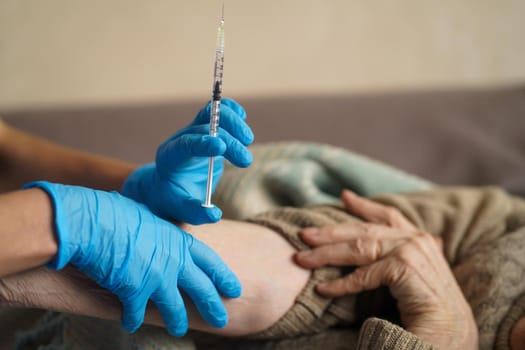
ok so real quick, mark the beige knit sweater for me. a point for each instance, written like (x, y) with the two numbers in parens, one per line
(484, 241)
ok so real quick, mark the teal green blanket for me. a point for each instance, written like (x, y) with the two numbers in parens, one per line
(298, 174)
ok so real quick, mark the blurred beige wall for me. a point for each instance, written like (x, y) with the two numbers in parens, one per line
(72, 52)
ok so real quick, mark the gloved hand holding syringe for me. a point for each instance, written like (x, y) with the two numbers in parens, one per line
(173, 187)
(215, 103)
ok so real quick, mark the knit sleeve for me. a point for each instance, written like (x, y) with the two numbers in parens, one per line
(483, 232)
(378, 334)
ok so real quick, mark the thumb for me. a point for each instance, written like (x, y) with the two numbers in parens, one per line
(193, 212)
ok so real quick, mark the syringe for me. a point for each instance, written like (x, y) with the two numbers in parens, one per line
(216, 102)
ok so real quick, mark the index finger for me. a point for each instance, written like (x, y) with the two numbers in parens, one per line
(232, 119)
(202, 292)
(216, 269)
(358, 251)
(237, 108)
(350, 231)
(375, 212)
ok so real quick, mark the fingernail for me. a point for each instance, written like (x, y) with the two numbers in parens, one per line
(249, 136)
(248, 159)
(129, 326)
(220, 321)
(178, 331)
(310, 231)
(303, 254)
(232, 288)
(213, 214)
(348, 193)
(321, 287)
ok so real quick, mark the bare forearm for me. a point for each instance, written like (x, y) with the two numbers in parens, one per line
(27, 238)
(25, 158)
(253, 252)
(263, 261)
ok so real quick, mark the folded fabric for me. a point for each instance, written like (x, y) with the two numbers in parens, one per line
(300, 173)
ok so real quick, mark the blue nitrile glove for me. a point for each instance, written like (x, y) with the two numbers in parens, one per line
(136, 255)
(175, 186)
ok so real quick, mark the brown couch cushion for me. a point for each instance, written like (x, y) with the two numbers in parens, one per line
(471, 137)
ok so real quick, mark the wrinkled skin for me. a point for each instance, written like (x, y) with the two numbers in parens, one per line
(388, 250)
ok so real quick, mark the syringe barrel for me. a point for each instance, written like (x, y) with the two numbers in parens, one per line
(214, 116)
(218, 69)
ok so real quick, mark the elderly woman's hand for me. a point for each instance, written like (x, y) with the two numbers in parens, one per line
(388, 250)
